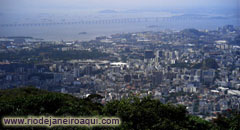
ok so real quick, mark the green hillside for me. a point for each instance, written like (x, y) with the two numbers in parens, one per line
(135, 113)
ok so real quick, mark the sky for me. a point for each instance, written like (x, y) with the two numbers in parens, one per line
(23, 6)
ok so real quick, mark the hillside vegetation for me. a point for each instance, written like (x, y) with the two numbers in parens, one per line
(135, 113)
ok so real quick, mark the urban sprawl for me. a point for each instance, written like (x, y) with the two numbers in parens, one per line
(199, 69)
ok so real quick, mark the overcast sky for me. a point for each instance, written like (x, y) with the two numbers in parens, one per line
(18, 6)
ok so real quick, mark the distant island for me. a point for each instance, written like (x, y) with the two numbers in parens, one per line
(82, 33)
(153, 26)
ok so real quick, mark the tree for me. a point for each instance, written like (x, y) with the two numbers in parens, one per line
(135, 113)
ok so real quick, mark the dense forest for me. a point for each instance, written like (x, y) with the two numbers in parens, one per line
(135, 113)
(205, 64)
(50, 53)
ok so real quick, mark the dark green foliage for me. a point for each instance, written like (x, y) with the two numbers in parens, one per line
(197, 123)
(222, 122)
(181, 65)
(192, 33)
(135, 113)
(229, 122)
(152, 114)
(236, 40)
(208, 63)
(52, 53)
(31, 101)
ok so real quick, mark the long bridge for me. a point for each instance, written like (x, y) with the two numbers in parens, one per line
(104, 21)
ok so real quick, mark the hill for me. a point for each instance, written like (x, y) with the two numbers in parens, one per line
(136, 113)
(192, 33)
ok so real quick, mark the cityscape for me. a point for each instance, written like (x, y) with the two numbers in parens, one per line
(119, 65)
(195, 68)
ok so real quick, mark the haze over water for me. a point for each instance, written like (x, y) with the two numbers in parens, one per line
(175, 15)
